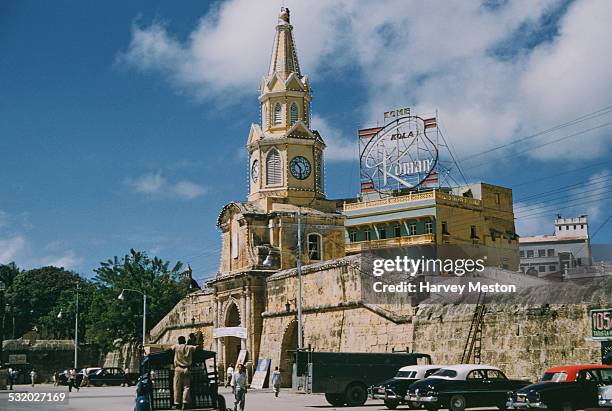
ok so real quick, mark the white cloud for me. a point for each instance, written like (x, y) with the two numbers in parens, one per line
(188, 190)
(157, 185)
(69, 261)
(10, 248)
(438, 55)
(339, 147)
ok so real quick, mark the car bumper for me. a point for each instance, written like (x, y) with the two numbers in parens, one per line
(514, 405)
(421, 398)
(379, 396)
(605, 403)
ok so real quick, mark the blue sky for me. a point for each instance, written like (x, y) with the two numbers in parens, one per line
(123, 124)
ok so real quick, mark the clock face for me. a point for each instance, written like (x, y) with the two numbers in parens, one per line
(255, 171)
(300, 167)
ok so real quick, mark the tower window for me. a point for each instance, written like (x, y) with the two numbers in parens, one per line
(278, 114)
(294, 113)
(273, 168)
(412, 229)
(314, 246)
(397, 230)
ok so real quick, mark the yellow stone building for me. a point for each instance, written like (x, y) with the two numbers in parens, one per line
(250, 305)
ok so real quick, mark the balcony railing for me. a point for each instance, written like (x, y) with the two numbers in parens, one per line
(430, 195)
(390, 242)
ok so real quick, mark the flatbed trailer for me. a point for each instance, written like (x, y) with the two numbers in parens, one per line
(344, 376)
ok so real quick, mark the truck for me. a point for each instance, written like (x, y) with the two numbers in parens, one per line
(344, 377)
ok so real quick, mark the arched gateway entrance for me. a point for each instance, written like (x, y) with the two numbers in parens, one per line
(232, 345)
(288, 348)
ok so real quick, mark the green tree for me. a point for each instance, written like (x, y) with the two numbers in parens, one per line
(109, 318)
(39, 294)
(8, 272)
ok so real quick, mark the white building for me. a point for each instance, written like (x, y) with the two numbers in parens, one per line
(569, 247)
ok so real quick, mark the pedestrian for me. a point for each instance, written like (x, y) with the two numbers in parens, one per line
(183, 355)
(85, 379)
(276, 381)
(33, 376)
(72, 382)
(54, 378)
(230, 372)
(239, 386)
(11, 377)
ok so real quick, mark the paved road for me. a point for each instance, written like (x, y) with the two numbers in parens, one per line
(122, 399)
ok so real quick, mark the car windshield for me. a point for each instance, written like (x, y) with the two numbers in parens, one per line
(405, 374)
(606, 375)
(554, 376)
(445, 373)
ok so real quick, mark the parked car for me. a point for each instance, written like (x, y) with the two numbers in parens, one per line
(112, 376)
(605, 396)
(464, 386)
(564, 388)
(393, 391)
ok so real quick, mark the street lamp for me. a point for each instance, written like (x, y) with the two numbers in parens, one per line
(76, 326)
(2, 288)
(144, 311)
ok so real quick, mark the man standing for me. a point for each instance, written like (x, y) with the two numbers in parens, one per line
(276, 381)
(183, 356)
(11, 378)
(239, 386)
(230, 373)
(33, 376)
(72, 380)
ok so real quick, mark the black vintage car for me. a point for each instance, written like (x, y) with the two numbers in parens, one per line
(565, 388)
(393, 391)
(112, 376)
(464, 386)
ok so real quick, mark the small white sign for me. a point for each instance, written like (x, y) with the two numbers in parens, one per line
(17, 359)
(239, 332)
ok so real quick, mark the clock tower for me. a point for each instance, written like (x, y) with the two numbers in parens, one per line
(285, 154)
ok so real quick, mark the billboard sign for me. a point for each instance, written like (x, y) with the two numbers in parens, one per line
(601, 324)
(400, 155)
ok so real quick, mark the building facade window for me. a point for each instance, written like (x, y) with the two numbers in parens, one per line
(529, 253)
(473, 232)
(541, 253)
(522, 253)
(552, 267)
(397, 230)
(367, 235)
(428, 227)
(274, 174)
(382, 233)
(314, 247)
(294, 113)
(550, 252)
(444, 228)
(353, 236)
(278, 114)
(412, 229)
(542, 268)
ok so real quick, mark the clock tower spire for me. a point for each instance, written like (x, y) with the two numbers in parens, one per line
(285, 154)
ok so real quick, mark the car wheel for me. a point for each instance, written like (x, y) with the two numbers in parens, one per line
(356, 394)
(337, 400)
(391, 404)
(457, 403)
(566, 406)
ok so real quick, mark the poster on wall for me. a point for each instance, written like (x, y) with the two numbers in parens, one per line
(241, 357)
(261, 373)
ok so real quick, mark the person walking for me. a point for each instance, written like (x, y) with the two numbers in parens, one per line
(230, 373)
(183, 357)
(239, 386)
(33, 376)
(72, 380)
(11, 377)
(276, 381)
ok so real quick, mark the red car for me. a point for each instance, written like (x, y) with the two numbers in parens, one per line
(565, 388)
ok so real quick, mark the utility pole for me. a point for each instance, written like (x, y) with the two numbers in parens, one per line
(299, 277)
(76, 328)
